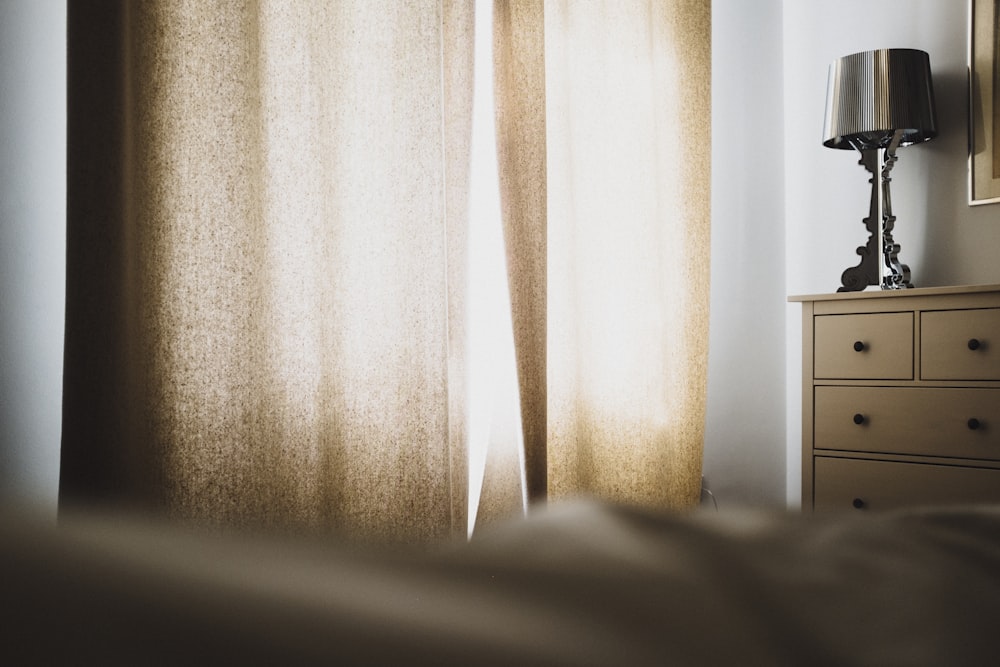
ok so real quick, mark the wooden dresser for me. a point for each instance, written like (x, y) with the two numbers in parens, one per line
(901, 397)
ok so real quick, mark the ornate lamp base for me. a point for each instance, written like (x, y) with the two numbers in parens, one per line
(880, 263)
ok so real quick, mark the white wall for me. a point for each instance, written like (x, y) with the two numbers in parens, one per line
(745, 427)
(32, 246)
(944, 241)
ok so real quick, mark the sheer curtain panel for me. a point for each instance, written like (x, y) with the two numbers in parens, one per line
(266, 220)
(628, 110)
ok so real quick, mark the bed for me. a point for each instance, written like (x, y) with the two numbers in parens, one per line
(579, 583)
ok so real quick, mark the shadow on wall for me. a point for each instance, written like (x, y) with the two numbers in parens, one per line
(944, 180)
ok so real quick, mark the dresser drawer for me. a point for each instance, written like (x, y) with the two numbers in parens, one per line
(843, 484)
(957, 423)
(876, 346)
(947, 339)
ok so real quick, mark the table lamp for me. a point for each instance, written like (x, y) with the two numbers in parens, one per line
(876, 102)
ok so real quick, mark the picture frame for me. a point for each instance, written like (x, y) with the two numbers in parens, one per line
(984, 102)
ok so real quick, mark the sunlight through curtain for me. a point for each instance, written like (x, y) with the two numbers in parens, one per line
(276, 307)
(497, 486)
(267, 209)
(606, 185)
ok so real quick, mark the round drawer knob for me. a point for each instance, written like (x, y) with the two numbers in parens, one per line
(859, 419)
(859, 346)
(974, 424)
(858, 504)
(974, 344)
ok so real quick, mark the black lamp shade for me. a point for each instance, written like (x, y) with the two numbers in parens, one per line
(872, 94)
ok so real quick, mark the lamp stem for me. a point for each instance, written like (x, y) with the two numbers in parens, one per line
(895, 274)
(880, 263)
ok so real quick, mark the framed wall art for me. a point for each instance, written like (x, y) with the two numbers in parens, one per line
(984, 102)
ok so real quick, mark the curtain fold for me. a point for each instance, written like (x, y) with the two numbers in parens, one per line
(267, 257)
(519, 61)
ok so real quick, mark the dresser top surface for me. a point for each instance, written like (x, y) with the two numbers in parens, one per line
(902, 293)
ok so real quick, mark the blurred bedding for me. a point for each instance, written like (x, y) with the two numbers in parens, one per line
(578, 583)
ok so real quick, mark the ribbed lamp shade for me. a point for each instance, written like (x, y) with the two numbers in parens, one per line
(873, 93)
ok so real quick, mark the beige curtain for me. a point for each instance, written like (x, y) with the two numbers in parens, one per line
(266, 216)
(267, 256)
(606, 202)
